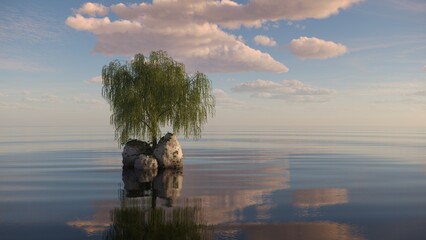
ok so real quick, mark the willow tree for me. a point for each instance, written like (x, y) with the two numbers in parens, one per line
(148, 93)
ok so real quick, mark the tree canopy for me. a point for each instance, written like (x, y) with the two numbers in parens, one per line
(148, 93)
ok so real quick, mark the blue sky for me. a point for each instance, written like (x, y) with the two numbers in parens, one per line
(272, 62)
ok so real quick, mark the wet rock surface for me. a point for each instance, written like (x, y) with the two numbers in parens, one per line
(169, 152)
(132, 150)
(146, 162)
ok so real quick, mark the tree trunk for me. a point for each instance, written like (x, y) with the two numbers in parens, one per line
(154, 142)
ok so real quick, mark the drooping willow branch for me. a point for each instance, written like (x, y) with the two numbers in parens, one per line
(146, 94)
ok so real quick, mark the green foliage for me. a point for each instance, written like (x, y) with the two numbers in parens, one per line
(148, 93)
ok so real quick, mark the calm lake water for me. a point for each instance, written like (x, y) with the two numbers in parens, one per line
(67, 183)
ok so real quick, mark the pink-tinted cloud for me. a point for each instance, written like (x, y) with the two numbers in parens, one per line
(255, 12)
(224, 100)
(315, 48)
(191, 30)
(97, 80)
(265, 40)
(288, 90)
(93, 9)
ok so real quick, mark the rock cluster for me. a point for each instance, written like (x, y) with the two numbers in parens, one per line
(140, 155)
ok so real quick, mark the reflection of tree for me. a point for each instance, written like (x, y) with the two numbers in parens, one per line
(138, 216)
(134, 220)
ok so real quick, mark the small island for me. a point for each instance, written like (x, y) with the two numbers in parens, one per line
(149, 93)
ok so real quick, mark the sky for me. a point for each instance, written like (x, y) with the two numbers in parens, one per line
(278, 63)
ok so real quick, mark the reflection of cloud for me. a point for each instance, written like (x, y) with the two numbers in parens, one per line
(264, 211)
(306, 198)
(90, 226)
(296, 231)
(229, 191)
(315, 48)
(99, 221)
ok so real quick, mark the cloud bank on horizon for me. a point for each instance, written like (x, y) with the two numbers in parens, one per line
(288, 90)
(193, 31)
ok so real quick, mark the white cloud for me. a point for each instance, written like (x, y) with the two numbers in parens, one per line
(224, 100)
(393, 88)
(97, 80)
(424, 68)
(406, 92)
(83, 99)
(93, 9)
(257, 85)
(45, 98)
(305, 47)
(256, 12)
(289, 90)
(264, 40)
(15, 105)
(102, 26)
(191, 31)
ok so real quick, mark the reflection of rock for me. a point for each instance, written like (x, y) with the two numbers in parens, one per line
(137, 183)
(146, 162)
(168, 184)
(168, 152)
(306, 198)
(296, 231)
(148, 175)
(132, 150)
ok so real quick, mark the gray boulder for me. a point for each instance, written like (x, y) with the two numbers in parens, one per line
(168, 152)
(145, 162)
(132, 150)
